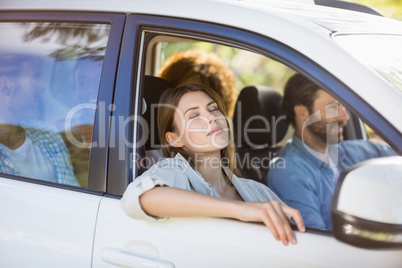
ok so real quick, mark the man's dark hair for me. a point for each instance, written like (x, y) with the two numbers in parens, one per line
(298, 91)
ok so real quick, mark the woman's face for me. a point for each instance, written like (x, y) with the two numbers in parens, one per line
(200, 127)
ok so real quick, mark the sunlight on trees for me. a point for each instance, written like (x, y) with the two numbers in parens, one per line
(390, 8)
(248, 68)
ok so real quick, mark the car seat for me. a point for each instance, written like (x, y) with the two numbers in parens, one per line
(258, 127)
(151, 152)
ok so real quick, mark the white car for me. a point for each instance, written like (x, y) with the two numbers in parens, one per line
(57, 222)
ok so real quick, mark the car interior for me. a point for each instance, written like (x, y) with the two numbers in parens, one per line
(259, 130)
(258, 110)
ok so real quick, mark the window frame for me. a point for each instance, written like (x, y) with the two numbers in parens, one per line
(98, 157)
(132, 63)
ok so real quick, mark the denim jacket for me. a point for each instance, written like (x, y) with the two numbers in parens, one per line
(177, 172)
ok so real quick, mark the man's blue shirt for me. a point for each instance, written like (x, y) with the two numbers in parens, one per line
(304, 181)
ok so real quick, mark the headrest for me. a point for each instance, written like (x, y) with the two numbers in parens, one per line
(152, 91)
(256, 120)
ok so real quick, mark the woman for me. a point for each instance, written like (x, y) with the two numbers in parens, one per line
(199, 169)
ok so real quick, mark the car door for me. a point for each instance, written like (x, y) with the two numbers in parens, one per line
(197, 241)
(49, 215)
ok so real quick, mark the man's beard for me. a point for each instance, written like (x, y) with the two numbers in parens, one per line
(327, 133)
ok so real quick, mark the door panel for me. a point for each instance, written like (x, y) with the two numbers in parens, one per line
(43, 226)
(45, 222)
(212, 242)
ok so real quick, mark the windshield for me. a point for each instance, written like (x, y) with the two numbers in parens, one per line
(380, 52)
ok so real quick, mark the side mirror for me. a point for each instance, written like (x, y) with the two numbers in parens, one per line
(367, 204)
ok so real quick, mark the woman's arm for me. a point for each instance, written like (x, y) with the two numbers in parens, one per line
(173, 202)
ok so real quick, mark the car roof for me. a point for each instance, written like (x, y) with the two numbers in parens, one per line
(309, 30)
(304, 11)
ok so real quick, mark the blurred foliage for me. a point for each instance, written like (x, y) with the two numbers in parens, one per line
(248, 68)
(64, 32)
(74, 40)
(390, 8)
(81, 52)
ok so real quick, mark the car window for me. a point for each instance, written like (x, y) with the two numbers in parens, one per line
(49, 74)
(258, 133)
(248, 68)
(255, 130)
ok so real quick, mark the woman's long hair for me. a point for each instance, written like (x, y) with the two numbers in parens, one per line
(166, 111)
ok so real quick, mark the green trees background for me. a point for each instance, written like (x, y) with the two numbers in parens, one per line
(390, 8)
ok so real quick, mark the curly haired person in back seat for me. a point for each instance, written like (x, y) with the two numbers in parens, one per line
(197, 66)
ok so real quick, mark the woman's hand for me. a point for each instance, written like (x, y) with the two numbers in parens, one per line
(273, 215)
